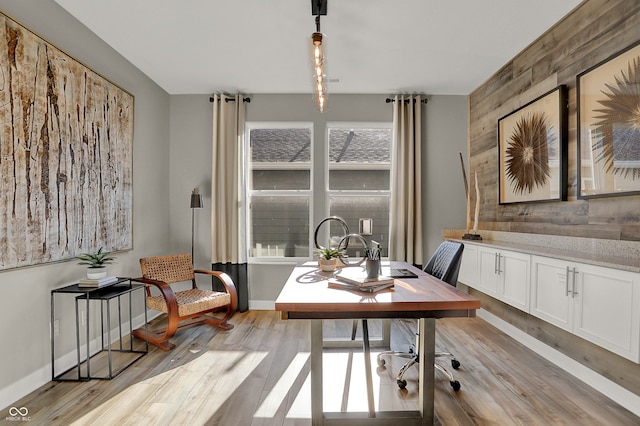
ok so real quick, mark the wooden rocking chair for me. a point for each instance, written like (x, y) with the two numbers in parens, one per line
(186, 307)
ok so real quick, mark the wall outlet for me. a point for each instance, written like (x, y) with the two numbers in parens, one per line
(366, 226)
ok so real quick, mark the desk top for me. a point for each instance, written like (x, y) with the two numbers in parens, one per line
(306, 295)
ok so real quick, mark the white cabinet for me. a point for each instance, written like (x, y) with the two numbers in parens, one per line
(504, 275)
(599, 304)
(469, 265)
(551, 287)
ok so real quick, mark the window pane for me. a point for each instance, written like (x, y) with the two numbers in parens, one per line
(279, 226)
(354, 208)
(370, 146)
(280, 145)
(373, 180)
(280, 179)
(359, 159)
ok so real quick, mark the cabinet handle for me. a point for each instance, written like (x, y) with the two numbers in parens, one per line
(499, 263)
(573, 287)
(495, 263)
(566, 282)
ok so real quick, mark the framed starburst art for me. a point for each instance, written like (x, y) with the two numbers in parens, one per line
(532, 146)
(609, 126)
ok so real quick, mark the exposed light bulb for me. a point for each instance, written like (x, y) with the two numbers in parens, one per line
(319, 71)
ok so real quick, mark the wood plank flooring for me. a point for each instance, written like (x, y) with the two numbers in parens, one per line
(258, 374)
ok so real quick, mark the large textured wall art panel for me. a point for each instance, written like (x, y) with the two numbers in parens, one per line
(66, 142)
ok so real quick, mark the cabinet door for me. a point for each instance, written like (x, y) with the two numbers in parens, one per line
(488, 271)
(606, 309)
(550, 291)
(514, 271)
(469, 266)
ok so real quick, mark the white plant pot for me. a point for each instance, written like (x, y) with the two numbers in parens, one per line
(327, 265)
(96, 273)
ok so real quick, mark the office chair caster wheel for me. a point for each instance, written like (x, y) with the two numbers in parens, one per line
(455, 364)
(455, 385)
(403, 383)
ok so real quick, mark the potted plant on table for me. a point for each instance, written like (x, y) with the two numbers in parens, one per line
(96, 263)
(328, 258)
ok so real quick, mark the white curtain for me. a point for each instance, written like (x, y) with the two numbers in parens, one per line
(227, 176)
(405, 216)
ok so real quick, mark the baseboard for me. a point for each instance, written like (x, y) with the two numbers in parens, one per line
(617, 393)
(42, 376)
(262, 305)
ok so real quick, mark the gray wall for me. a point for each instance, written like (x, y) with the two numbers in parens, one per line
(25, 348)
(444, 201)
(445, 135)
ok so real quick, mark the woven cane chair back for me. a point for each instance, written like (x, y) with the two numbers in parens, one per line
(170, 269)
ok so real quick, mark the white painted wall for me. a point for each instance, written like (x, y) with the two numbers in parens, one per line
(25, 293)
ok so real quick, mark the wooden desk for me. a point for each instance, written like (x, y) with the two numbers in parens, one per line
(306, 296)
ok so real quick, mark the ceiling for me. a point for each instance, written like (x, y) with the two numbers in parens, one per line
(435, 47)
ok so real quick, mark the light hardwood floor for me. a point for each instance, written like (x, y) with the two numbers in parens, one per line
(257, 374)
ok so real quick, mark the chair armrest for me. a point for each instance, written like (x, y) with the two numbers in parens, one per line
(226, 281)
(165, 290)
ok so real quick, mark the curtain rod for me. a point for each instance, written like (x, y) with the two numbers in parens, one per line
(406, 101)
(248, 100)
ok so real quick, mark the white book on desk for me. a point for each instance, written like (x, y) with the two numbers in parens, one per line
(86, 282)
(358, 276)
(343, 285)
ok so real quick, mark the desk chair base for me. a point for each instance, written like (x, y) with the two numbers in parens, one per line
(413, 358)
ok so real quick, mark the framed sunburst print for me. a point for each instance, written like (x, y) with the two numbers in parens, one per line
(609, 126)
(532, 146)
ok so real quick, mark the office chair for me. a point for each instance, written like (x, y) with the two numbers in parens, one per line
(445, 265)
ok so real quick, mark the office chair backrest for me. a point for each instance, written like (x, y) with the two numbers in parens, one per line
(445, 262)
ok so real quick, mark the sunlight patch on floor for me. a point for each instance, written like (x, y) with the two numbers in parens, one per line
(276, 397)
(344, 384)
(162, 397)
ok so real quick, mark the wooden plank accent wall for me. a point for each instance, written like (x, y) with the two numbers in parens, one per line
(591, 33)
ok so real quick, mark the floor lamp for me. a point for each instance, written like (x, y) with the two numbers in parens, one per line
(196, 203)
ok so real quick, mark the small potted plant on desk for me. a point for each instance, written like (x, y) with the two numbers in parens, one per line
(328, 258)
(97, 263)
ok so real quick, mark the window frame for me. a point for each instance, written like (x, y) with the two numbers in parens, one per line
(249, 192)
(345, 193)
(319, 191)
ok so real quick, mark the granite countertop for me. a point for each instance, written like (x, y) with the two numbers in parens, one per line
(623, 255)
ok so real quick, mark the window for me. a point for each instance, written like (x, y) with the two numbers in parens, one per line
(359, 180)
(281, 190)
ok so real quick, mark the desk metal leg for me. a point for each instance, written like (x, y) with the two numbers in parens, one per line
(316, 373)
(367, 367)
(427, 342)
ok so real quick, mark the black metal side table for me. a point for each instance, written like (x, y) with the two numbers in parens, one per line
(126, 353)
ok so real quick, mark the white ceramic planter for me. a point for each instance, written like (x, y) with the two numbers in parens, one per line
(327, 265)
(96, 273)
